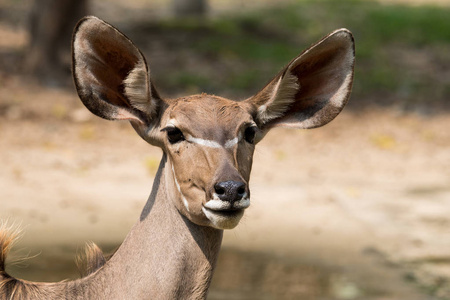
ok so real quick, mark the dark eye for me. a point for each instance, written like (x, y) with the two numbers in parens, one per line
(249, 134)
(174, 135)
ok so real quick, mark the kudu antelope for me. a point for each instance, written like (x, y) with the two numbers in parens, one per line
(201, 187)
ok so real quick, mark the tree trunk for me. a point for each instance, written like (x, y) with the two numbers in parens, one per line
(186, 8)
(51, 26)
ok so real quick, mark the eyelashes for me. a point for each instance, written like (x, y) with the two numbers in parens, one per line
(174, 134)
(249, 134)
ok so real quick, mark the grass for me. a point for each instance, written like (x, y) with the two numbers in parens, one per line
(403, 52)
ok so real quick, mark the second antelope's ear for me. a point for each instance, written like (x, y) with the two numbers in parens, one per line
(111, 74)
(313, 89)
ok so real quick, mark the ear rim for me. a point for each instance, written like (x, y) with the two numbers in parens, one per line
(329, 111)
(95, 103)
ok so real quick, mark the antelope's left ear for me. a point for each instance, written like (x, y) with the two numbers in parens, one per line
(313, 89)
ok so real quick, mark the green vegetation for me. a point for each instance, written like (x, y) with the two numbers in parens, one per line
(403, 52)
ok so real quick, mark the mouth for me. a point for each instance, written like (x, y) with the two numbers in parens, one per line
(224, 215)
(223, 219)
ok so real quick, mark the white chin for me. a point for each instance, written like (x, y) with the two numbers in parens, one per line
(223, 220)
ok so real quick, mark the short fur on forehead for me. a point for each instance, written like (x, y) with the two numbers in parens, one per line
(213, 115)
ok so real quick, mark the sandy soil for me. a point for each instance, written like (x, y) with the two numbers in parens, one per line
(369, 193)
(363, 202)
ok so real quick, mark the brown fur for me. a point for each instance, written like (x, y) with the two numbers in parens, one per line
(6, 241)
(90, 260)
(13, 288)
(171, 251)
(10, 287)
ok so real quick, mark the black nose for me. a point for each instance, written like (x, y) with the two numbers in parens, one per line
(230, 191)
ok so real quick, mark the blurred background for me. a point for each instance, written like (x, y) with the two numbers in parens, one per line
(358, 209)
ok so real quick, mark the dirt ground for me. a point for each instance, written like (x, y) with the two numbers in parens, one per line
(368, 194)
(358, 209)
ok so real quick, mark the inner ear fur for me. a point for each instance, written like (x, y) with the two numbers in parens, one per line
(314, 87)
(111, 74)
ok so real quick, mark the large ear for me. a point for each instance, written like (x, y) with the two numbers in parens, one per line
(313, 89)
(111, 74)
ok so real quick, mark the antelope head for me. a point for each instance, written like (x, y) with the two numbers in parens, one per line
(208, 141)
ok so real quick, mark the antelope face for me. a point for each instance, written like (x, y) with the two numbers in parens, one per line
(209, 143)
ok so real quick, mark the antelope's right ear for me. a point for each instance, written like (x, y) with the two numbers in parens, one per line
(111, 74)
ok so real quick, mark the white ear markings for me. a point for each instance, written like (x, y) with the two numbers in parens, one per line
(123, 114)
(339, 97)
(137, 89)
(282, 97)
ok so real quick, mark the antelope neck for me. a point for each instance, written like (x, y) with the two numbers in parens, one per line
(165, 256)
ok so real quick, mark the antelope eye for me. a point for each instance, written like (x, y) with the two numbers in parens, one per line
(174, 135)
(249, 134)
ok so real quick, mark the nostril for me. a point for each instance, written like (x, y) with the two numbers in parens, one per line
(230, 190)
(241, 190)
(219, 190)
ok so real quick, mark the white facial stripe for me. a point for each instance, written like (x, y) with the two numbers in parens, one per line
(186, 204)
(172, 123)
(207, 143)
(231, 143)
(212, 144)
